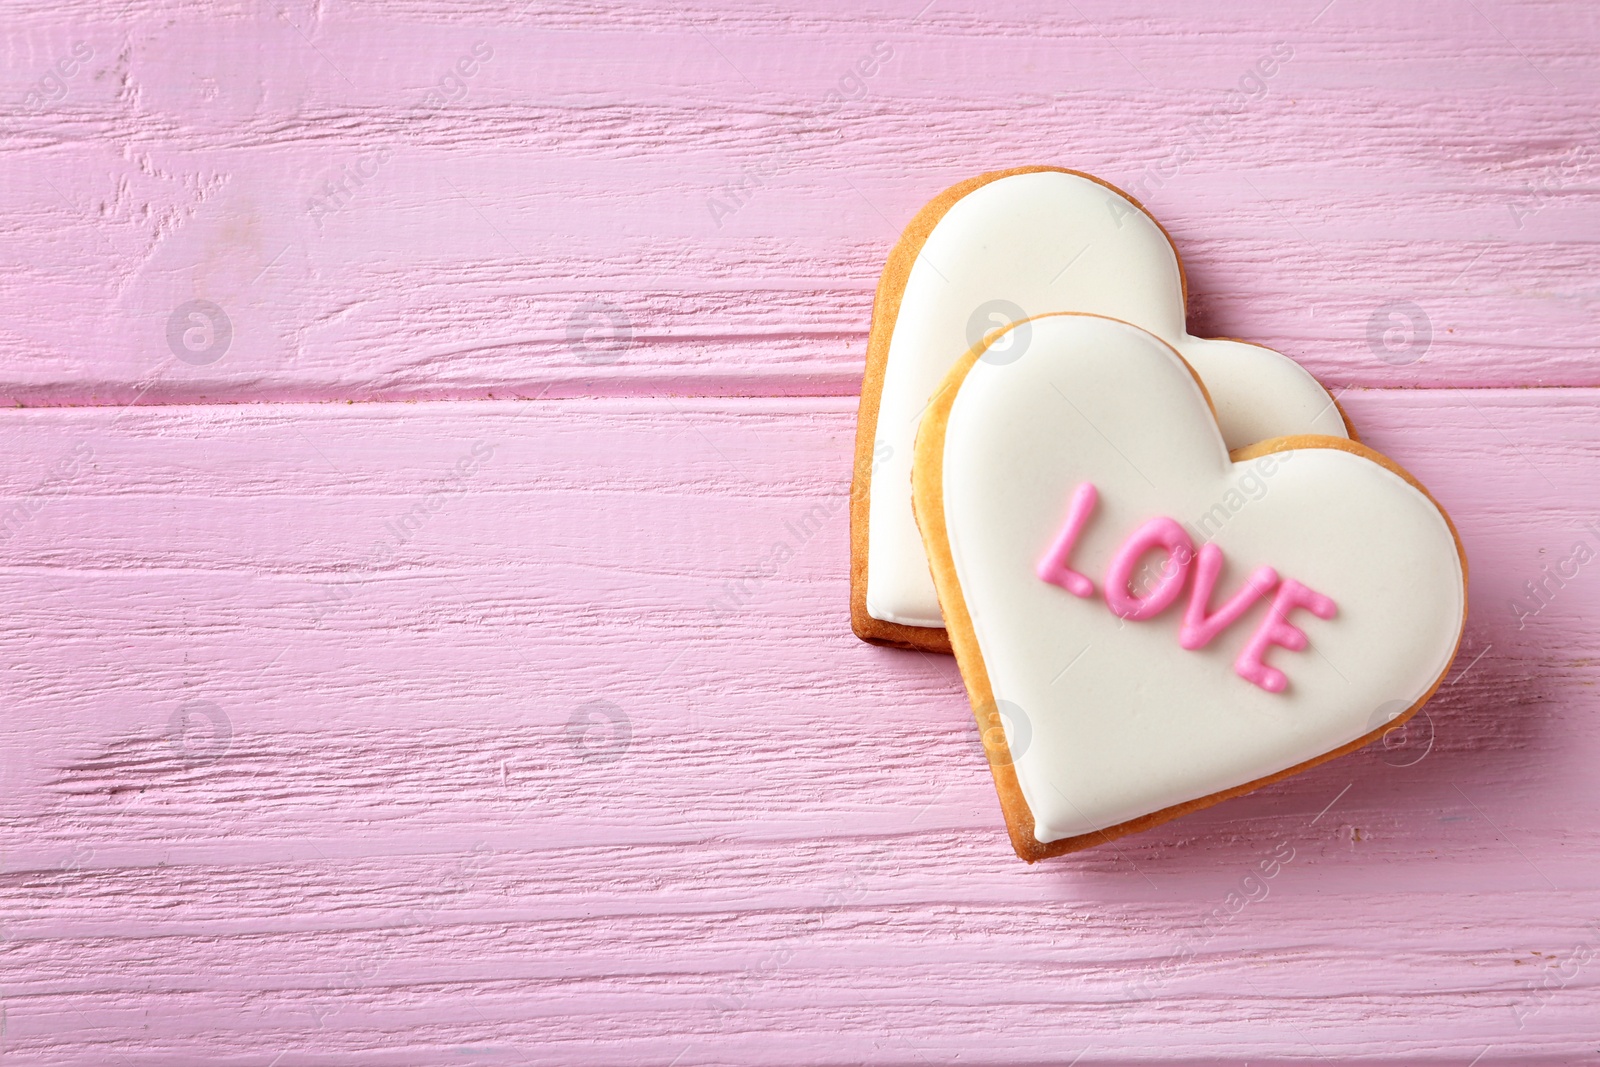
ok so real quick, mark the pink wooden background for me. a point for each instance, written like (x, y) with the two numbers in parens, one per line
(404, 681)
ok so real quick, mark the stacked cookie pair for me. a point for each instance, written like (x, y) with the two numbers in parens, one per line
(1167, 568)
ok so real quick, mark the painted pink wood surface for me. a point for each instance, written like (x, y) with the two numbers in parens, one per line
(481, 729)
(395, 849)
(683, 169)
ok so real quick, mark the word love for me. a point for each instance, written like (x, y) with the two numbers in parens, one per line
(1200, 625)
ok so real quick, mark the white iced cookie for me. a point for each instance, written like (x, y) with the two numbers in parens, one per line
(1146, 624)
(990, 251)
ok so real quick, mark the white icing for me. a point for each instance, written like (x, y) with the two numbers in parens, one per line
(1121, 720)
(1047, 241)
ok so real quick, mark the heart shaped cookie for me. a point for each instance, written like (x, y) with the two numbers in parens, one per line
(1146, 624)
(998, 249)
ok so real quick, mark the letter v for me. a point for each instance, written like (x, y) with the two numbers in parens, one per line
(1200, 629)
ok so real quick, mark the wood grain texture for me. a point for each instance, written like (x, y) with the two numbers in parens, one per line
(444, 724)
(625, 200)
(275, 788)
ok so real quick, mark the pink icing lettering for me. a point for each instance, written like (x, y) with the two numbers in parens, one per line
(1053, 567)
(1162, 533)
(1200, 626)
(1200, 629)
(1276, 629)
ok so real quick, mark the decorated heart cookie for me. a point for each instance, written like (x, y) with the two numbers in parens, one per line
(990, 251)
(1146, 624)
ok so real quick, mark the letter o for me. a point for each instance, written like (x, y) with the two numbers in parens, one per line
(1162, 533)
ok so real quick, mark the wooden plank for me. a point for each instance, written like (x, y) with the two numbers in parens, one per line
(399, 733)
(629, 201)
(305, 760)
